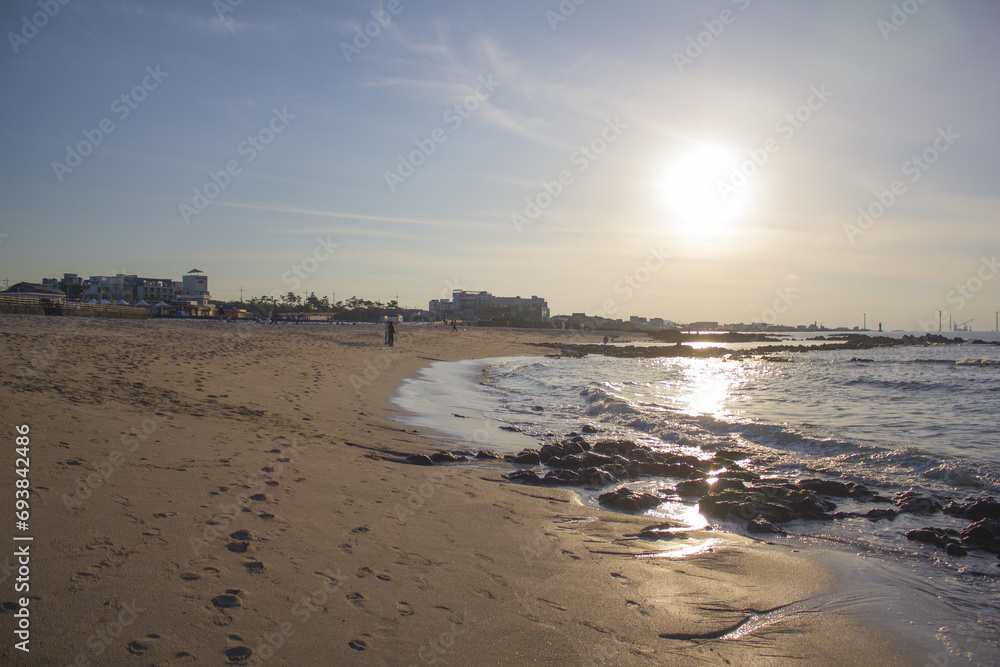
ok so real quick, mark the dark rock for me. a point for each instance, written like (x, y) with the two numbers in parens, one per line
(525, 477)
(527, 457)
(880, 499)
(481, 454)
(629, 501)
(914, 503)
(826, 487)
(955, 550)
(860, 491)
(877, 514)
(511, 428)
(243, 535)
(590, 428)
(419, 460)
(681, 470)
(694, 488)
(739, 475)
(537, 408)
(984, 532)
(762, 525)
(984, 508)
(259, 497)
(238, 547)
(728, 456)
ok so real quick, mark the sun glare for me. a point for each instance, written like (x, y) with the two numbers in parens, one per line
(697, 190)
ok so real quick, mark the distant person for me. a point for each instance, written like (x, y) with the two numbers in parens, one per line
(390, 333)
(605, 340)
(454, 327)
(222, 313)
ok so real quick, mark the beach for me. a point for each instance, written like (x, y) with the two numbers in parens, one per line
(219, 493)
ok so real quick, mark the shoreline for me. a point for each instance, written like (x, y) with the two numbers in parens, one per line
(246, 468)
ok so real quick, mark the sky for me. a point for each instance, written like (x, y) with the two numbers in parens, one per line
(732, 161)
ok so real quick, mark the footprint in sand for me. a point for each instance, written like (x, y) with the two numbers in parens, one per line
(357, 599)
(621, 577)
(358, 644)
(190, 576)
(361, 529)
(238, 653)
(631, 604)
(253, 566)
(570, 554)
(404, 609)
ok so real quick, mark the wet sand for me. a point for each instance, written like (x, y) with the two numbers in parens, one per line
(211, 493)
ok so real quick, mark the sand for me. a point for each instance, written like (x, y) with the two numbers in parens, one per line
(208, 493)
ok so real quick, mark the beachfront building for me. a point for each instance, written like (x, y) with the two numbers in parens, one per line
(124, 287)
(483, 306)
(36, 291)
(534, 309)
(194, 288)
(441, 309)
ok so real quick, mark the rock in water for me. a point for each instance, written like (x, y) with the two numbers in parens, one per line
(628, 500)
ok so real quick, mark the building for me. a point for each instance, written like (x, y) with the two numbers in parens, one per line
(483, 306)
(129, 288)
(194, 288)
(152, 290)
(36, 291)
(534, 309)
(441, 309)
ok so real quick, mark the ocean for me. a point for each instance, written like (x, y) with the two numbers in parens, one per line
(892, 419)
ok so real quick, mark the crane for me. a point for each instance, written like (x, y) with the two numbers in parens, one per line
(964, 326)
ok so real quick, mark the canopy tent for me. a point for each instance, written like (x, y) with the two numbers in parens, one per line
(92, 301)
(141, 302)
(122, 302)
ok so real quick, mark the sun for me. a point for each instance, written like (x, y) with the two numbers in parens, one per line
(698, 192)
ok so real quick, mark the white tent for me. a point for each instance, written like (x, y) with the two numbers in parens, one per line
(141, 302)
(162, 305)
(122, 302)
(105, 302)
(92, 301)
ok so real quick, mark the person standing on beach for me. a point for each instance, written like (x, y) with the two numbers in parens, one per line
(454, 327)
(390, 332)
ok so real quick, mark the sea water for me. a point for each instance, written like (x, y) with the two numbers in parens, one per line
(892, 418)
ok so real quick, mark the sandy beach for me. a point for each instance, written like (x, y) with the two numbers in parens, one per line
(219, 493)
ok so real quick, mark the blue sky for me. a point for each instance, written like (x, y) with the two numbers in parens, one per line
(713, 155)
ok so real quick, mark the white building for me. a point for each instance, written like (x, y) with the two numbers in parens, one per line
(194, 288)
